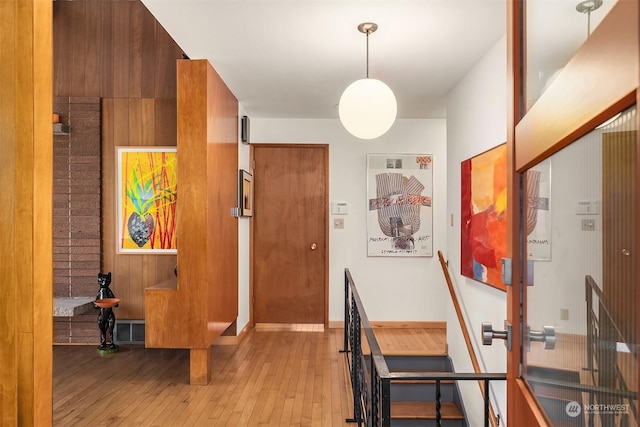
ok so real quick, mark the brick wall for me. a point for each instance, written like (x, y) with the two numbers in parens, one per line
(77, 213)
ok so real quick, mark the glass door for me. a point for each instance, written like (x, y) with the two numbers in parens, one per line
(580, 336)
(574, 225)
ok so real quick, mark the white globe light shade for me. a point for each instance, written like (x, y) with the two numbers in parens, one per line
(367, 108)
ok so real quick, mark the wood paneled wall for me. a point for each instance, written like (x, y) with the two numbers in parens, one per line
(26, 146)
(117, 51)
(112, 49)
(132, 122)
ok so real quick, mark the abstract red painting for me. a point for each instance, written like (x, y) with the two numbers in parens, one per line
(484, 216)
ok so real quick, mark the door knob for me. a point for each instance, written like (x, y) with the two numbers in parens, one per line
(313, 246)
(488, 334)
(547, 336)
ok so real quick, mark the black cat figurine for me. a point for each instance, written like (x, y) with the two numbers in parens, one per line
(106, 318)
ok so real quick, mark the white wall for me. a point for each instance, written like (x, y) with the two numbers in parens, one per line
(476, 122)
(392, 289)
(243, 241)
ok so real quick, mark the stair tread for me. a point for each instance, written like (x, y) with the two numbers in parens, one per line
(424, 411)
(409, 342)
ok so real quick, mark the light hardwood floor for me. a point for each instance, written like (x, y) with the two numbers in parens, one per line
(273, 378)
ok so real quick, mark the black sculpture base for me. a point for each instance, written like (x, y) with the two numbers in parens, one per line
(109, 349)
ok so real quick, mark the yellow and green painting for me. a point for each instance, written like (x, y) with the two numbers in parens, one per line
(147, 196)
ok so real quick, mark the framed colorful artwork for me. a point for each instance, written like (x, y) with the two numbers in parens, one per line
(245, 193)
(146, 199)
(484, 216)
(400, 215)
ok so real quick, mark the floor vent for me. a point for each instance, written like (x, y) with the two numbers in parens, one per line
(129, 331)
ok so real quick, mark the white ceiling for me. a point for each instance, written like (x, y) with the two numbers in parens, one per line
(294, 58)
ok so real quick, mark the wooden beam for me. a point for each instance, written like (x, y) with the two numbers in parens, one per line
(26, 212)
(199, 366)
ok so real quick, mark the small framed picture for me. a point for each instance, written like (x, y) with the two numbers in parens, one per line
(245, 193)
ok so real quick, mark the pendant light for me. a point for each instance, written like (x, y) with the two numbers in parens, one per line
(367, 106)
(588, 6)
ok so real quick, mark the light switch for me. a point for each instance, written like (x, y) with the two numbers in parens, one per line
(588, 225)
(338, 223)
(339, 208)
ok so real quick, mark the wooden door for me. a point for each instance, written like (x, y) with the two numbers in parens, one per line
(289, 233)
(619, 165)
(600, 80)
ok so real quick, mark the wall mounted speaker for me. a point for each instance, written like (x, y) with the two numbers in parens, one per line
(244, 130)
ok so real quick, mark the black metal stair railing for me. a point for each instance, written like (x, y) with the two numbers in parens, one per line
(603, 336)
(371, 378)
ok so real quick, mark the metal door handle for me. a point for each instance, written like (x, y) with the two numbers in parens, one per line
(547, 336)
(313, 246)
(488, 334)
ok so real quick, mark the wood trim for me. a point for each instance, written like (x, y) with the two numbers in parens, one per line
(516, 99)
(251, 245)
(326, 235)
(428, 324)
(556, 119)
(526, 408)
(42, 17)
(637, 256)
(461, 321)
(233, 339)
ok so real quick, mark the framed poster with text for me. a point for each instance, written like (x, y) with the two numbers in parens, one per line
(400, 214)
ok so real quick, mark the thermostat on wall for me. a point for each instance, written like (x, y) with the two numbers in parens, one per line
(587, 208)
(339, 208)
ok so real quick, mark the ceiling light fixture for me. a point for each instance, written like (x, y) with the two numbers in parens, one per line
(588, 6)
(367, 106)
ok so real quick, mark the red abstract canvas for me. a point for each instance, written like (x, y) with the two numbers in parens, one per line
(484, 216)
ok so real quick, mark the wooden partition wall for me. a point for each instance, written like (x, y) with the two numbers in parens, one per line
(195, 308)
(26, 146)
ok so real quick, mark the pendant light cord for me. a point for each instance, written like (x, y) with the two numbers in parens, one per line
(367, 28)
(368, 54)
